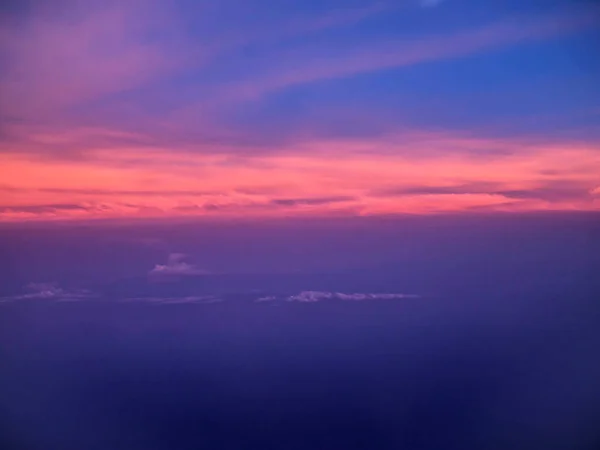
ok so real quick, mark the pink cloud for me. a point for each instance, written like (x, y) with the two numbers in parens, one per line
(64, 57)
(58, 59)
(418, 173)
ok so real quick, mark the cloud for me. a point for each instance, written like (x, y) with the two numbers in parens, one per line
(360, 296)
(458, 189)
(51, 291)
(82, 55)
(416, 172)
(267, 298)
(39, 209)
(43, 290)
(91, 127)
(555, 191)
(310, 296)
(176, 266)
(61, 57)
(302, 27)
(310, 201)
(131, 193)
(52, 211)
(298, 69)
(316, 296)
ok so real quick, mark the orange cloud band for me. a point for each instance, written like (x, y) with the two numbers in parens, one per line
(321, 177)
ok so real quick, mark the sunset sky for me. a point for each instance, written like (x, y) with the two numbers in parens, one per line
(299, 224)
(265, 108)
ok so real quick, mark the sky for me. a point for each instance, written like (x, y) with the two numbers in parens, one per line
(268, 109)
(275, 223)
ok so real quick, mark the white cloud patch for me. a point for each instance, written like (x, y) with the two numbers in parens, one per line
(176, 265)
(310, 296)
(315, 296)
(359, 297)
(268, 298)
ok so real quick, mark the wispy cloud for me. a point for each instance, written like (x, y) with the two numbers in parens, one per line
(266, 298)
(40, 209)
(58, 58)
(299, 27)
(103, 193)
(297, 70)
(50, 291)
(316, 296)
(550, 190)
(310, 201)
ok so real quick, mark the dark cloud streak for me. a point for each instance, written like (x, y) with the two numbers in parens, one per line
(49, 208)
(553, 191)
(310, 201)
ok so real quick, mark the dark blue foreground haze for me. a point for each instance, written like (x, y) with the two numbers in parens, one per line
(498, 351)
(414, 374)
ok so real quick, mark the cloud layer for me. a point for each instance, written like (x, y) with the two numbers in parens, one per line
(167, 109)
(408, 174)
(53, 293)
